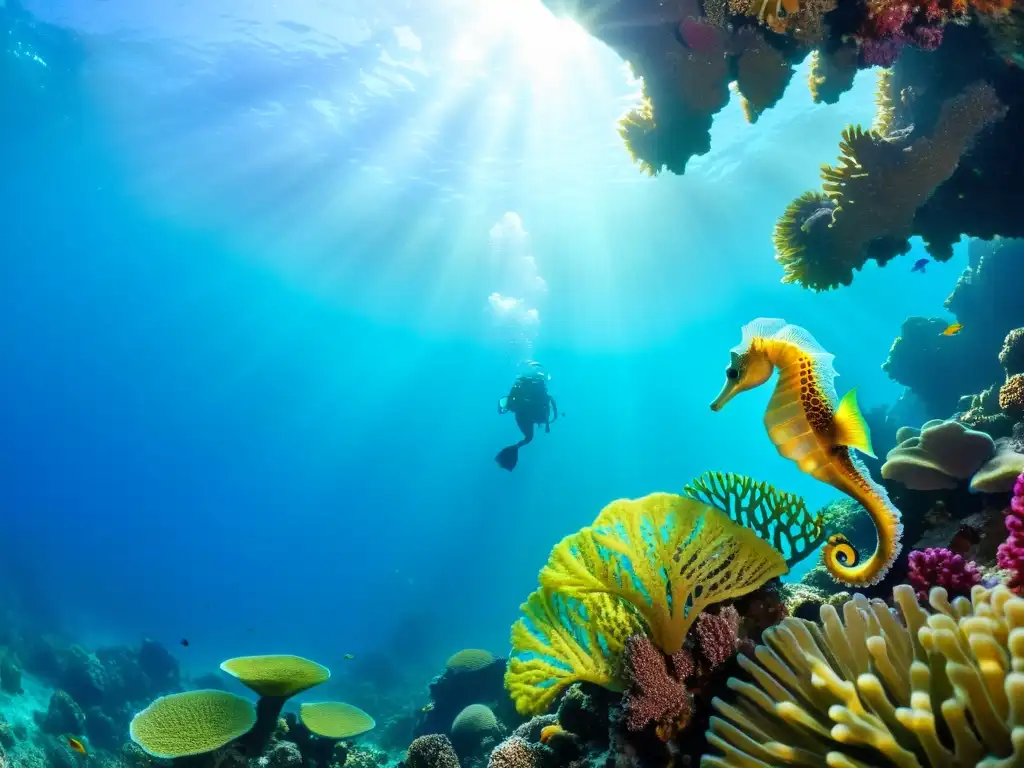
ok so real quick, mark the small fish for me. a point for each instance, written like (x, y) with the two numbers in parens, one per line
(349, 656)
(427, 707)
(952, 330)
(919, 265)
(76, 745)
(184, 642)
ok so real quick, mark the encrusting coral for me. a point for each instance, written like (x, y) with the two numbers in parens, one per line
(876, 188)
(943, 688)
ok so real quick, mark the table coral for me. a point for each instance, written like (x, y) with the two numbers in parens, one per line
(938, 567)
(877, 186)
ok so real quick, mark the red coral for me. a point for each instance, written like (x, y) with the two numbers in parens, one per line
(938, 567)
(718, 635)
(654, 694)
(1011, 552)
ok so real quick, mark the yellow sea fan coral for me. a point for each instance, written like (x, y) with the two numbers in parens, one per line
(762, 74)
(832, 73)
(562, 640)
(668, 556)
(637, 130)
(885, 103)
(878, 185)
(1011, 395)
(943, 688)
(780, 518)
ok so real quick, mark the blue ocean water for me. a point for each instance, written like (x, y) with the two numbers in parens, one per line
(249, 359)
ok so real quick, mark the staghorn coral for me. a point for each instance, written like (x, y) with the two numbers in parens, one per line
(191, 723)
(940, 689)
(778, 517)
(1010, 555)
(877, 186)
(1011, 396)
(561, 640)
(1011, 356)
(696, 557)
(938, 567)
(762, 74)
(832, 73)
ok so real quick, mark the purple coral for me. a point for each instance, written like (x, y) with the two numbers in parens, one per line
(654, 694)
(938, 567)
(718, 635)
(1011, 552)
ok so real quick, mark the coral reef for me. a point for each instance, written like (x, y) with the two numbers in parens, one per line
(471, 676)
(432, 750)
(865, 689)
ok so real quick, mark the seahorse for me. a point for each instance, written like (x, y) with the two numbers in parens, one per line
(811, 427)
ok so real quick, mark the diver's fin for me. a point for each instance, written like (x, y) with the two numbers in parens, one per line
(851, 428)
(507, 457)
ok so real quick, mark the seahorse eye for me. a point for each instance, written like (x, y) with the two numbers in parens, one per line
(731, 373)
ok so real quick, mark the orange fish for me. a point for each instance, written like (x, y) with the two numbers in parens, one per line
(76, 745)
(953, 329)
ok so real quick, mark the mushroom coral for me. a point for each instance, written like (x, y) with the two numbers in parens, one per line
(877, 186)
(191, 723)
(943, 688)
(275, 678)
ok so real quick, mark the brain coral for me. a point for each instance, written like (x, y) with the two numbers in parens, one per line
(191, 723)
(431, 751)
(469, 659)
(940, 689)
(476, 718)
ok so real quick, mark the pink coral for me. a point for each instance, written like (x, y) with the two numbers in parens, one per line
(1011, 552)
(718, 635)
(654, 694)
(938, 567)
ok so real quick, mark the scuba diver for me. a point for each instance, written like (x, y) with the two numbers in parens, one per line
(531, 404)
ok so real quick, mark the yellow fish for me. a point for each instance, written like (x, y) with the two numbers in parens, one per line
(76, 745)
(952, 330)
(811, 426)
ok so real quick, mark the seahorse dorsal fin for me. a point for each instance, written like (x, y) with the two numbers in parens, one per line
(851, 428)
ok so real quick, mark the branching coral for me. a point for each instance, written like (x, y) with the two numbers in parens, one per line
(877, 186)
(942, 689)
(778, 517)
(938, 567)
(668, 556)
(655, 694)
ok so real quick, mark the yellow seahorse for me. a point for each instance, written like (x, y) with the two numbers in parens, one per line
(809, 425)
